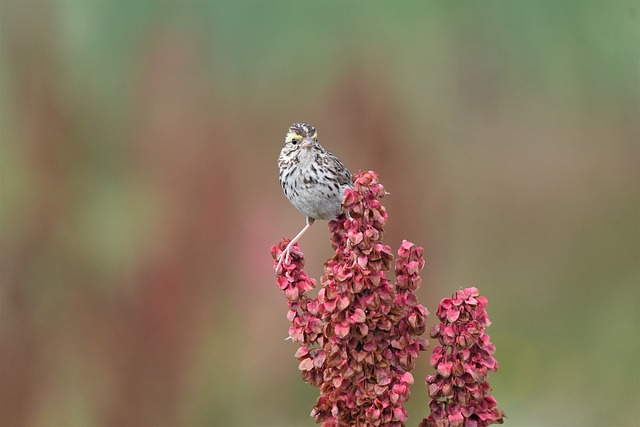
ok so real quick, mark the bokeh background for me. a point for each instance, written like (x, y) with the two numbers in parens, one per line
(140, 197)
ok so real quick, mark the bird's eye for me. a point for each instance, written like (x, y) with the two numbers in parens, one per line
(294, 141)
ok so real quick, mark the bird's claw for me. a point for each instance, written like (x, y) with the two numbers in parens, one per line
(284, 256)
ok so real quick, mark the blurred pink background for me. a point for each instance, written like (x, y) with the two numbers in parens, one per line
(140, 197)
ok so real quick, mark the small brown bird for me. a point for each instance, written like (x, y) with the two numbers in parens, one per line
(312, 178)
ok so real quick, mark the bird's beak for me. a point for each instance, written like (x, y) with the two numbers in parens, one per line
(307, 143)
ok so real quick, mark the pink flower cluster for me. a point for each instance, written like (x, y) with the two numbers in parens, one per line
(360, 337)
(458, 389)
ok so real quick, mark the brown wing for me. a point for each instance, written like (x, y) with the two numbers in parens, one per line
(335, 166)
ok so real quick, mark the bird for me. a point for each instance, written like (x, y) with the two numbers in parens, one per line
(313, 179)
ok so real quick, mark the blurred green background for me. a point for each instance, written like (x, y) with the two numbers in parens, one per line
(140, 197)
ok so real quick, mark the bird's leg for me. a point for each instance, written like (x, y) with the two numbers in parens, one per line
(285, 254)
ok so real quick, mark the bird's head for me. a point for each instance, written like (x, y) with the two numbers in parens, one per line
(301, 135)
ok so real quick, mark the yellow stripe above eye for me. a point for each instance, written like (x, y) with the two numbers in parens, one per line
(291, 136)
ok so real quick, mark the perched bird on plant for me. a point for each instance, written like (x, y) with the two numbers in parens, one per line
(313, 179)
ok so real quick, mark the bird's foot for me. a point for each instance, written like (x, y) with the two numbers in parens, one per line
(284, 256)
